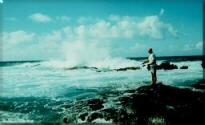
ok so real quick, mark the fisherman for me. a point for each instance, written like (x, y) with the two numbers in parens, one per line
(151, 65)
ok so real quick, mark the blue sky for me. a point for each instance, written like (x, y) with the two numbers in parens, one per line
(59, 29)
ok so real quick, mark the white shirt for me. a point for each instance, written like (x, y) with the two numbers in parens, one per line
(152, 58)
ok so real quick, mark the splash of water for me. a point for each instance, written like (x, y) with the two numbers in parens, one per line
(91, 54)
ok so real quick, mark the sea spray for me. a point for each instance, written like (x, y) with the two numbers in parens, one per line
(78, 53)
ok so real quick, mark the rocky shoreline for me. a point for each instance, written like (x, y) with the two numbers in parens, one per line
(165, 65)
(146, 105)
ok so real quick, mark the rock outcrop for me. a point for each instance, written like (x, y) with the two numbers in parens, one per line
(166, 66)
(184, 67)
(150, 105)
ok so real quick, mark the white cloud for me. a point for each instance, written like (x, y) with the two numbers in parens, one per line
(52, 37)
(93, 31)
(83, 20)
(193, 46)
(81, 32)
(138, 47)
(116, 26)
(152, 26)
(63, 18)
(17, 36)
(101, 29)
(114, 18)
(67, 32)
(40, 46)
(106, 29)
(41, 18)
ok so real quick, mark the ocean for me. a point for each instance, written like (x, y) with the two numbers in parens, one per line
(48, 91)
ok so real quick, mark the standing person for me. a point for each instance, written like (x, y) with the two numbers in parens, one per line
(151, 65)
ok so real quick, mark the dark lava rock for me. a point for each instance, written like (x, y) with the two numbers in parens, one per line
(166, 66)
(200, 84)
(94, 116)
(184, 67)
(83, 116)
(95, 104)
(81, 67)
(110, 113)
(116, 115)
(127, 68)
(173, 105)
(151, 105)
(67, 120)
(203, 63)
(177, 106)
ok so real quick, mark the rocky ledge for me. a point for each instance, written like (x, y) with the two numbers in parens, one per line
(165, 65)
(148, 105)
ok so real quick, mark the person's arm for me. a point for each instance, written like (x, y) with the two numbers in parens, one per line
(150, 62)
(145, 62)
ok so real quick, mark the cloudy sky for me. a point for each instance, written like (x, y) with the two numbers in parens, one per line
(57, 29)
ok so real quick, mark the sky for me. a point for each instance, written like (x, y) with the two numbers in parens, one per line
(61, 29)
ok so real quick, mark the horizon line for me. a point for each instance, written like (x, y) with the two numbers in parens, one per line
(140, 57)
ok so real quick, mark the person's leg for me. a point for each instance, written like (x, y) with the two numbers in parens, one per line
(152, 74)
(155, 76)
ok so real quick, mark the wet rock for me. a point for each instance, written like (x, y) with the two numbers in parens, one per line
(122, 116)
(67, 120)
(110, 113)
(183, 103)
(125, 100)
(151, 105)
(173, 104)
(184, 67)
(203, 63)
(95, 104)
(199, 85)
(166, 66)
(116, 115)
(156, 120)
(83, 116)
(127, 68)
(81, 67)
(94, 116)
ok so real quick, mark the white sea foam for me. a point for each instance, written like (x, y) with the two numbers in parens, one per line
(10, 117)
(101, 120)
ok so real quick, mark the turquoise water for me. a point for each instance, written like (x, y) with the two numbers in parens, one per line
(46, 92)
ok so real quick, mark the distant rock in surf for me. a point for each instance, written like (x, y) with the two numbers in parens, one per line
(80, 67)
(166, 66)
(102, 69)
(184, 67)
(127, 68)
